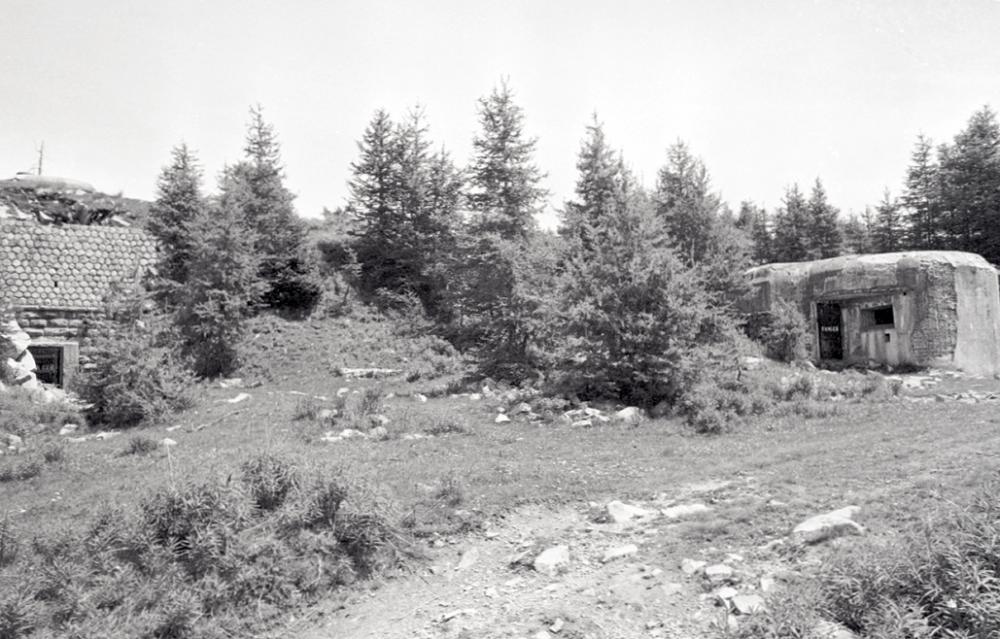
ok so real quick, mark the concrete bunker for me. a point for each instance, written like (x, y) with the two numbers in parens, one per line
(922, 308)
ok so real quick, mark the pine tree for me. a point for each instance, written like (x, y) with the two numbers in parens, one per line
(922, 199)
(858, 233)
(504, 192)
(755, 222)
(822, 229)
(598, 182)
(221, 289)
(256, 187)
(178, 202)
(889, 233)
(970, 177)
(686, 204)
(791, 224)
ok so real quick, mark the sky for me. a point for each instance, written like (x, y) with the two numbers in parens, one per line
(767, 93)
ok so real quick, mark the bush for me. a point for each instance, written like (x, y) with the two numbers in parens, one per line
(784, 332)
(22, 413)
(19, 471)
(140, 445)
(938, 580)
(269, 479)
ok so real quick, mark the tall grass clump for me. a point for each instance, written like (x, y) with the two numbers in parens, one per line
(940, 579)
(210, 559)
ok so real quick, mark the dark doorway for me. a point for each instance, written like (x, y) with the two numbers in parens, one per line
(48, 360)
(831, 341)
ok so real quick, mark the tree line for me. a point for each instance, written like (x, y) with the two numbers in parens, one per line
(950, 201)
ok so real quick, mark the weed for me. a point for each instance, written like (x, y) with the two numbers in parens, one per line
(54, 453)
(9, 542)
(446, 426)
(370, 402)
(449, 491)
(307, 408)
(269, 479)
(140, 445)
(20, 471)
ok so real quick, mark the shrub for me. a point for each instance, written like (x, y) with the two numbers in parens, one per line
(54, 453)
(9, 542)
(21, 412)
(140, 445)
(783, 331)
(268, 479)
(135, 376)
(20, 471)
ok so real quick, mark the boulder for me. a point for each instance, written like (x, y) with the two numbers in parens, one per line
(619, 552)
(830, 630)
(522, 408)
(835, 523)
(685, 510)
(692, 566)
(748, 604)
(630, 416)
(552, 560)
(622, 513)
(501, 419)
(718, 573)
(379, 433)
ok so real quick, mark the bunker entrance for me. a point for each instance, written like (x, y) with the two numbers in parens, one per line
(831, 340)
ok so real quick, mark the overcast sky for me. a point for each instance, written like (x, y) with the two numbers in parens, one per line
(767, 93)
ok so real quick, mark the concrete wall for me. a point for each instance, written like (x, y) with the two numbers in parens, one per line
(978, 336)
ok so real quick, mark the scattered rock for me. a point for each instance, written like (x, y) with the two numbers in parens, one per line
(767, 584)
(469, 558)
(718, 573)
(692, 566)
(726, 593)
(672, 588)
(379, 433)
(582, 423)
(748, 604)
(501, 419)
(630, 416)
(239, 398)
(14, 442)
(379, 420)
(622, 513)
(750, 363)
(557, 625)
(326, 415)
(830, 630)
(166, 442)
(619, 552)
(552, 560)
(232, 382)
(342, 391)
(685, 510)
(69, 429)
(829, 525)
(541, 634)
(420, 397)
(522, 408)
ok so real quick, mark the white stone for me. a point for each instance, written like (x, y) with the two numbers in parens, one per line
(692, 566)
(684, 510)
(829, 525)
(582, 423)
(630, 416)
(379, 433)
(68, 429)
(166, 442)
(501, 419)
(420, 397)
(469, 558)
(621, 513)
(523, 407)
(726, 593)
(718, 572)
(748, 604)
(767, 584)
(619, 552)
(557, 625)
(552, 560)
(830, 630)
(343, 390)
(239, 398)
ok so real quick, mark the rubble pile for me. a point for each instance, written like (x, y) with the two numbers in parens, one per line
(17, 366)
(49, 200)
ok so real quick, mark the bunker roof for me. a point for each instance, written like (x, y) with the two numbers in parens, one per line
(905, 259)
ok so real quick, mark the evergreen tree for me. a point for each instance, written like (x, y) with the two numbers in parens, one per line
(822, 229)
(221, 288)
(970, 178)
(858, 232)
(791, 224)
(686, 204)
(178, 202)
(922, 199)
(504, 192)
(755, 223)
(405, 200)
(889, 234)
(256, 187)
(598, 182)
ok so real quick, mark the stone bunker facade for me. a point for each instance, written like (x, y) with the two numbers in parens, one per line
(923, 308)
(57, 279)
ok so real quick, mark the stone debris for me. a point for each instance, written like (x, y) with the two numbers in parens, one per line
(15, 356)
(373, 373)
(630, 416)
(557, 625)
(468, 560)
(747, 604)
(69, 429)
(242, 397)
(836, 523)
(232, 382)
(718, 573)
(166, 442)
(621, 513)
(552, 560)
(830, 630)
(692, 566)
(685, 510)
(619, 552)
(420, 397)
(501, 419)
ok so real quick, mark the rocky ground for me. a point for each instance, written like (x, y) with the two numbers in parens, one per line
(614, 570)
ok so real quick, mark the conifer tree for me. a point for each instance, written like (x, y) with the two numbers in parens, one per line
(755, 221)
(504, 182)
(686, 204)
(822, 230)
(858, 232)
(599, 180)
(922, 199)
(970, 179)
(889, 233)
(259, 192)
(791, 224)
(178, 202)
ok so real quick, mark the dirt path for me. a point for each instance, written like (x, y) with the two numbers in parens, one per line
(469, 588)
